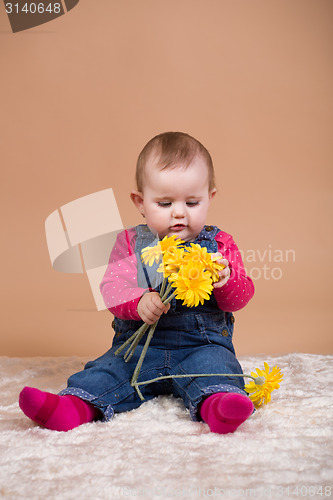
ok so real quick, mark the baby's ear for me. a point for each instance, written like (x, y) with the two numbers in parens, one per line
(212, 193)
(137, 199)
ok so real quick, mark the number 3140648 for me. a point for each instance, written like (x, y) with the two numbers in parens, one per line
(33, 8)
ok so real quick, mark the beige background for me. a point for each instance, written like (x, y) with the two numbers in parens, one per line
(81, 96)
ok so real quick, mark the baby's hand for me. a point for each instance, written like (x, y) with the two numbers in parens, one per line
(224, 274)
(150, 307)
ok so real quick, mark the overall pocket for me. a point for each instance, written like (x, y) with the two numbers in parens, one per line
(217, 328)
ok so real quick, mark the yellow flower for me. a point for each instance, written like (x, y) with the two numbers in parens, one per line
(195, 253)
(199, 254)
(193, 284)
(172, 261)
(261, 388)
(151, 254)
(214, 267)
(170, 242)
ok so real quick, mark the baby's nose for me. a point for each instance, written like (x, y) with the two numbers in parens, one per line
(178, 210)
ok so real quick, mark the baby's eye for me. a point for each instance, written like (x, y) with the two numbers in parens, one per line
(164, 203)
(192, 203)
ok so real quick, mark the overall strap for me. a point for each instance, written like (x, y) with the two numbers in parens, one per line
(206, 238)
(148, 277)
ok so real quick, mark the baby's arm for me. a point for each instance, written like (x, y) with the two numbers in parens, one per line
(235, 289)
(119, 286)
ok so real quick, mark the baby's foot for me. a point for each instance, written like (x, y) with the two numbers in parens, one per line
(59, 413)
(225, 411)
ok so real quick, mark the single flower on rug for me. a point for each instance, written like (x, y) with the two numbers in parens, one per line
(264, 383)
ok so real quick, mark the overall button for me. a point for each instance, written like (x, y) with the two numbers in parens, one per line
(232, 319)
(225, 333)
(113, 324)
(209, 228)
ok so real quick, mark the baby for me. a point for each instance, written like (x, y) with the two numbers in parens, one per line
(175, 186)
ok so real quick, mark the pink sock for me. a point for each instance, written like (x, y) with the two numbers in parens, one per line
(58, 413)
(225, 411)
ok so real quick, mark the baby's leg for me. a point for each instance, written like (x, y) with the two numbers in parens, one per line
(221, 402)
(97, 392)
(59, 413)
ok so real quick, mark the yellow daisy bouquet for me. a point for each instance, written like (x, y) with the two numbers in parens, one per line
(188, 275)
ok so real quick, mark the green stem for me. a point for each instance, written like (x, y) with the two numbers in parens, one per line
(166, 293)
(193, 375)
(137, 336)
(143, 353)
(166, 301)
(164, 282)
(143, 328)
(130, 351)
(136, 384)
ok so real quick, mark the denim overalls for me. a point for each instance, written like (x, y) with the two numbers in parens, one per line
(186, 341)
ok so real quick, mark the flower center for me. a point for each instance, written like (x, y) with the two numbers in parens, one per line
(193, 274)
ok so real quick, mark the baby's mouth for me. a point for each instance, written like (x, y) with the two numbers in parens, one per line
(178, 227)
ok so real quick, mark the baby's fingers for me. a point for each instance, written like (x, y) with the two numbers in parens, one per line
(167, 307)
(224, 274)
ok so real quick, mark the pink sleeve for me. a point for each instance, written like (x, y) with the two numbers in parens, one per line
(239, 289)
(119, 286)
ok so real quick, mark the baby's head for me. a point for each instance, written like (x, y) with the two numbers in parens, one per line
(170, 150)
(175, 185)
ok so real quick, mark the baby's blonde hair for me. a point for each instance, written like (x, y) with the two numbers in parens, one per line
(173, 148)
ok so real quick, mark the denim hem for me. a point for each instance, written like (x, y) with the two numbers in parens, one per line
(212, 389)
(107, 410)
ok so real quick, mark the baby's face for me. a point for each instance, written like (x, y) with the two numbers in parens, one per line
(176, 200)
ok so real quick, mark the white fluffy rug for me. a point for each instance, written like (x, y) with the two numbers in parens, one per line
(155, 452)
